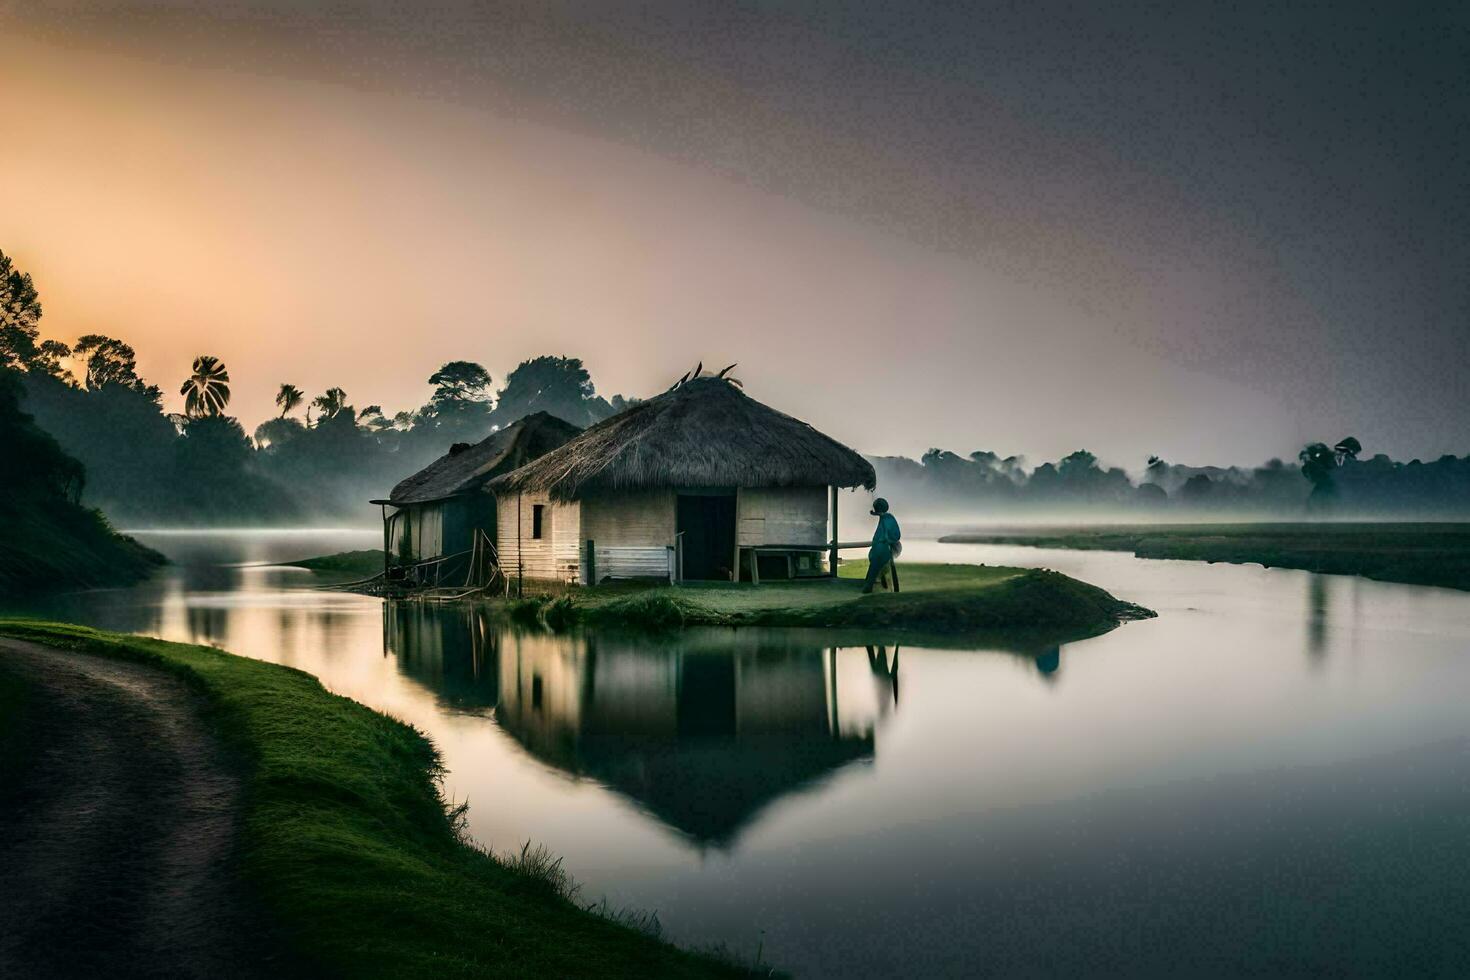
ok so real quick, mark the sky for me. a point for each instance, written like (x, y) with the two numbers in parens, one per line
(1209, 232)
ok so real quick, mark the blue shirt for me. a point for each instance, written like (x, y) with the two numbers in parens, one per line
(887, 533)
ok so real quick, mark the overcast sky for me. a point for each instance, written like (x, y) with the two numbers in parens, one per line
(1211, 232)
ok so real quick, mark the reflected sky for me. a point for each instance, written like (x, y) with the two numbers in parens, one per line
(1277, 769)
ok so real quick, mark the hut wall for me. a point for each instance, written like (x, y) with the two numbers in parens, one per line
(464, 515)
(424, 525)
(783, 515)
(552, 557)
(632, 533)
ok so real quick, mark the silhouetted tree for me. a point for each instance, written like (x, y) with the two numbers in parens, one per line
(207, 391)
(459, 383)
(111, 361)
(20, 317)
(276, 432)
(287, 398)
(559, 385)
(330, 403)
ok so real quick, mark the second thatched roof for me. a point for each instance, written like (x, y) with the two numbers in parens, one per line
(705, 433)
(467, 468)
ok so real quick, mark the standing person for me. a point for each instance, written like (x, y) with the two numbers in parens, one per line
(885, 543)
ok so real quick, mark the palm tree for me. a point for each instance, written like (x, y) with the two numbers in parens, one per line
(331, 402)
(207, 391)
(288, 398)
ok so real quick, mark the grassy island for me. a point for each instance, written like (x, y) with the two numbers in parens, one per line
(1415, 554)
(351, 849)
(935, 599)
(353, 563)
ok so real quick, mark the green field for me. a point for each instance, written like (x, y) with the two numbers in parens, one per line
(1416, 554)
(350, 847)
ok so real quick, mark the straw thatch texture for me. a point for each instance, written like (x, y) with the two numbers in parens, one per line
(705, 433)
(472, 467)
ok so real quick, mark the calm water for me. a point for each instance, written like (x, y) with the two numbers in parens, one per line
(1274, 775)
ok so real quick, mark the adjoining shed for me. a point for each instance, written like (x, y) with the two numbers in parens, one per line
(702, 482)
(437, 512)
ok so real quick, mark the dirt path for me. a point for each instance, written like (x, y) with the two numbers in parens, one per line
(115, 843)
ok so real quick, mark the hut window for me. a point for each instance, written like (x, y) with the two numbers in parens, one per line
(538, 511)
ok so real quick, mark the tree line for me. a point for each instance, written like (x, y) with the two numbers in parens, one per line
(320, 457)
(1324, 481)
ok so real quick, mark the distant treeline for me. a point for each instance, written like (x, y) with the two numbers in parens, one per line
(321, 457)
(1324, 480)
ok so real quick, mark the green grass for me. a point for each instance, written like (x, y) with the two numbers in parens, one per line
(935, 599)
(356, 563)
(349, 845)
(1416, 554)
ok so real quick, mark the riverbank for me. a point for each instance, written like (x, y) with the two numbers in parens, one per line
(1413, 554)
(349, 847)
(956, 600)
(934, 599)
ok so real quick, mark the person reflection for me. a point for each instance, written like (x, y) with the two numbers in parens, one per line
(885, 677)
(1317, 615)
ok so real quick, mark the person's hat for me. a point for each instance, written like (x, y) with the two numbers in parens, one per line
(880, 506)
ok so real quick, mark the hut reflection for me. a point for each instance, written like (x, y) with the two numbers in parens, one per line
(451, 650)
(702, 733)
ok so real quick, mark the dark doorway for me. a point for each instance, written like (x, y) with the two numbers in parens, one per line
(706, 703)
(708, 525)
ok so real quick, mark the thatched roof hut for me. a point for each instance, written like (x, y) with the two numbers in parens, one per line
(701, 482)
(438, 511)
(706, 432)
(467, 468)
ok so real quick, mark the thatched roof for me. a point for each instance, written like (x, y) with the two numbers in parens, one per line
(705, 433)
(465, 469)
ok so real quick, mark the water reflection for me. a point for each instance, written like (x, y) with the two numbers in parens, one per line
(1317, 616)
(885, 677)
(452, 651)
(861, 810)
(701, 731)
(1048, 663)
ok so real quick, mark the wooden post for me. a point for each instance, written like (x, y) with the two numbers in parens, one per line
(591, 562)
(383, 509)
(833, 491)
(735, 570)
(520, 553)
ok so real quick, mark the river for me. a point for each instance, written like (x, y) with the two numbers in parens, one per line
(1273, 775)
